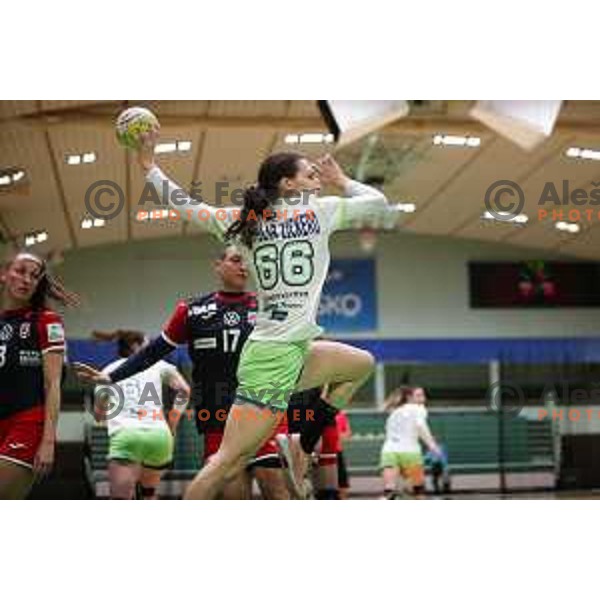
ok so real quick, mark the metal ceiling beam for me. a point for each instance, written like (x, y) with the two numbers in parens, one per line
(408, 125)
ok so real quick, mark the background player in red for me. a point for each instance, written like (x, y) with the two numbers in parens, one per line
(345, 433)
(214, 327)
(32, 346)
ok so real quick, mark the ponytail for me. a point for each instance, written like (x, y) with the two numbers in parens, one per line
(52, 288)
(256, 201)
(258, 198)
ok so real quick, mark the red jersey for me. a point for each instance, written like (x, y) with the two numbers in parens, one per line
(25, 336)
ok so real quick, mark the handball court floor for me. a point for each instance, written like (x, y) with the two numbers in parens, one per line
(485, 487)
(69, 482)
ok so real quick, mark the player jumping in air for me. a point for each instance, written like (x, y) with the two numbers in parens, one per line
(283, 229)
(214, 327)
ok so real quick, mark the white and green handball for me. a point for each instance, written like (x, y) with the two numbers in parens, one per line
(131, 123)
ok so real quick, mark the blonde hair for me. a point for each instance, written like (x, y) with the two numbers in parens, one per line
(397, 398)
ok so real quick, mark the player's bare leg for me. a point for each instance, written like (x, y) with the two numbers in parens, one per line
(390, 482)
(272, 483)
(248, 427)
(15, 480)
(327, 480)
(123, 478)
(343, 367)
(295, 463)
(149, 481)
(238, 488)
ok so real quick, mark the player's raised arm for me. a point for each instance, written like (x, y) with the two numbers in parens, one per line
(209, 218)
(359, 201)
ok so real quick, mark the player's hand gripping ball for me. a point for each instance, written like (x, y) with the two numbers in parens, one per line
(133, 122)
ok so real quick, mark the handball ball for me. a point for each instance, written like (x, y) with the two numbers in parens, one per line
(131, 123)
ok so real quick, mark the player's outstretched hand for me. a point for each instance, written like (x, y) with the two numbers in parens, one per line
(89, 374)
(44, 459)
(330, 172)
(145, 153)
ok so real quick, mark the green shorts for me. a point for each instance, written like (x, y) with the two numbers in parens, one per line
(269, 371)
(150, 447)
(402, 460)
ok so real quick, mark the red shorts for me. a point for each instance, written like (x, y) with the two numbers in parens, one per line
(330, 446)
(21, 435)
(266, 454)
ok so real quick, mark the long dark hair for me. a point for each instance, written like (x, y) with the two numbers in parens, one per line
(260, 197)
(126, 339)
(49, 286)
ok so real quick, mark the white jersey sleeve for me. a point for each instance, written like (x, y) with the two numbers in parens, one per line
(213, 220)
(359, 203)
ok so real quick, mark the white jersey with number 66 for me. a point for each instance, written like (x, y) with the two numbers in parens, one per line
(290, 255)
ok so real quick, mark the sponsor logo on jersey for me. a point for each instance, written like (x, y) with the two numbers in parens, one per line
(205, 343)
(204, 312)
(30, 358)
(55, 332)
(6, 332)
(231, 318)
(299, 226)
(24, 330)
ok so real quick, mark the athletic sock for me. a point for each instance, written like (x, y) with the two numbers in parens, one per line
(313, 430)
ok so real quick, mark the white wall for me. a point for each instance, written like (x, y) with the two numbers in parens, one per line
(422, 285)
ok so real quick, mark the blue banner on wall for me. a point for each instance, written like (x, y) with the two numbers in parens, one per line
(349, 299)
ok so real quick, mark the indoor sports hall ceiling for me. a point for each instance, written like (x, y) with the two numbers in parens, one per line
(446, 184)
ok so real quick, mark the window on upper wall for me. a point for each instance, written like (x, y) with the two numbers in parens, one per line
(566, 383)
(445, 384)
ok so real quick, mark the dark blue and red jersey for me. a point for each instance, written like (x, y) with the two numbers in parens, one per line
(215, 328)
(25, 336)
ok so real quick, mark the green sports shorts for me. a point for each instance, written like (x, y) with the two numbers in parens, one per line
(269, 371)
(402, 460)
(150, 447)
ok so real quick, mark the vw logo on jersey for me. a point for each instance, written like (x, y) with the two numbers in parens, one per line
(231, 319)
(24, 330)
(6, 332)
